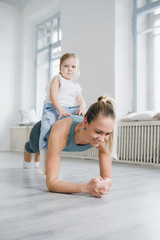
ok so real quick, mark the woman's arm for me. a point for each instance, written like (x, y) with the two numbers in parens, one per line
(105, 165)
(57, 142)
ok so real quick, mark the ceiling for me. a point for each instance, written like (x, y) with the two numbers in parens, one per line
(20, 4)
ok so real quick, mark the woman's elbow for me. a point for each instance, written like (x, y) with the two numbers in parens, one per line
(51, 184)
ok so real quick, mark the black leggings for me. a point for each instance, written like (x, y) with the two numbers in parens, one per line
(32, 146)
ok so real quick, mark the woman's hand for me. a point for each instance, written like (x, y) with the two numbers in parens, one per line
(107, 182)
(97, 187)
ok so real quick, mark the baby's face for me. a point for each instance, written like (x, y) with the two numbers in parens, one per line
(68, 68)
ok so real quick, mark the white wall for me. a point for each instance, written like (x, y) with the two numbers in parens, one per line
(17, 60)
(88, 29)
(34, 13)
(98, 31)
(124, 56)
(9, 71)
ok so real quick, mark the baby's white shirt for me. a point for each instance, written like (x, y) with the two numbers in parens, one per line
(67, 92)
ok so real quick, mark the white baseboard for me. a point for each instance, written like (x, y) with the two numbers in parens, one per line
(5, 150)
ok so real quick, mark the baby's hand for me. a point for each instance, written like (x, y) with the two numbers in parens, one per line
(81, 111)
(62, 113)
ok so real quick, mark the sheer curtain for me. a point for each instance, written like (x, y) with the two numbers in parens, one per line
(147, 55)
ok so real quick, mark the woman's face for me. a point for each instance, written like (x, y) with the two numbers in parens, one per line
(99, 130)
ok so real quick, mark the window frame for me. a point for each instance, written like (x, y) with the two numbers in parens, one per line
(52, 45)
(149, 7)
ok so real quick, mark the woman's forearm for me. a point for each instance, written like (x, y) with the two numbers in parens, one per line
(66, 187)
(95, 187)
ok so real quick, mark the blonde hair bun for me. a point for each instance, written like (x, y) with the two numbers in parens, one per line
(107, 100)
(103, 99)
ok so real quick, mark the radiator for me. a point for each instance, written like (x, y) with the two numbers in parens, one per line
(92, 153)
(138, 142)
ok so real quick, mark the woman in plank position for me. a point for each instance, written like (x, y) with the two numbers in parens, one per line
(75, 133)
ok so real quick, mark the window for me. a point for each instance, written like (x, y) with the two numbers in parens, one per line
(146, 55)
(48, 51)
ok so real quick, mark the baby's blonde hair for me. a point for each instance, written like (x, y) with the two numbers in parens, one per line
(70, 55)
(106, 107)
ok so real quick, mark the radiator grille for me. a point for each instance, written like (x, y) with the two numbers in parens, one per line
(89, 154)
(139, 142)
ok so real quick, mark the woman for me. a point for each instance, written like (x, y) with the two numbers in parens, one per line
(77, 134)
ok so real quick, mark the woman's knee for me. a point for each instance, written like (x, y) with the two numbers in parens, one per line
(32, 146)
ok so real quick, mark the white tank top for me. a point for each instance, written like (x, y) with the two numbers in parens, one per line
(67, 92)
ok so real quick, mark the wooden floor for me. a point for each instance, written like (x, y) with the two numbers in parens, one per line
(131, 211)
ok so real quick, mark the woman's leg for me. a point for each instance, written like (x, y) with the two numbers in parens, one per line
(27, 156)
(27, 159)
(32, 146)
(37, 160)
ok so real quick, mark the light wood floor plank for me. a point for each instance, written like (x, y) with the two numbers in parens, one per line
(28, 211)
